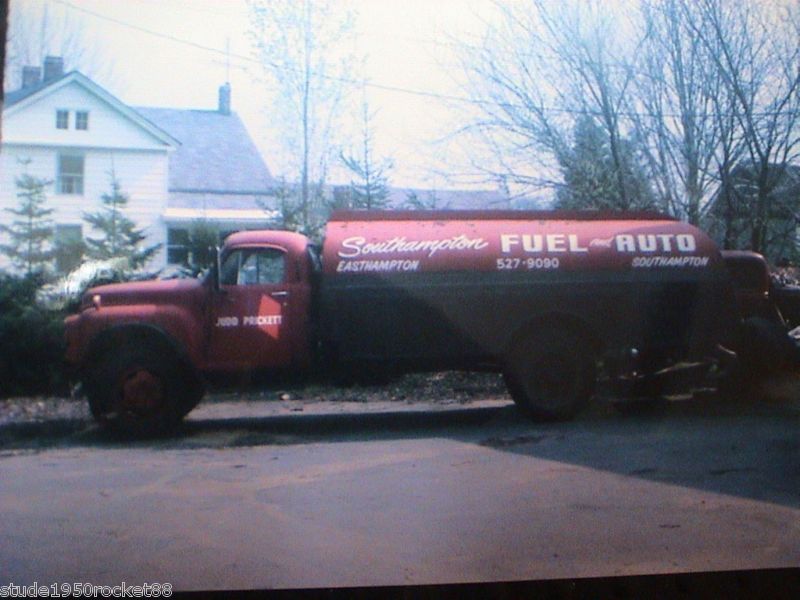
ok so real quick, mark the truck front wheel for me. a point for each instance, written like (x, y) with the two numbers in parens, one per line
(550, 375)
(138, 390)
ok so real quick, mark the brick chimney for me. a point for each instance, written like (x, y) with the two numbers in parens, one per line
(31, 76)
(225, 99)
(53, 67)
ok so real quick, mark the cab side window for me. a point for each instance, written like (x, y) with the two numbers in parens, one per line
(262, 266)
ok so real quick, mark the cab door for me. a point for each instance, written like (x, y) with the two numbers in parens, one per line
(249, 314)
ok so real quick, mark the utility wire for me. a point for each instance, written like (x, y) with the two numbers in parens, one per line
(377, 86)
(355, 82)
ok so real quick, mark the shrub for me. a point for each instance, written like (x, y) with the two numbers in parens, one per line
(65, 294)
(31, 340)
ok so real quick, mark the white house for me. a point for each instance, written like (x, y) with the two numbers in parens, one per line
(176, 166)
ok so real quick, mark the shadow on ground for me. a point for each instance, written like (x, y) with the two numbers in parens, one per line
(709, 442)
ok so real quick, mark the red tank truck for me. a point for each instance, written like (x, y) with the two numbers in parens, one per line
(546, 298)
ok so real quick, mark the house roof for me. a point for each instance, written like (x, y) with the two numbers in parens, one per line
(189, 206)
(11, 98)
(216, 155)
(19, 99)
(451, 199)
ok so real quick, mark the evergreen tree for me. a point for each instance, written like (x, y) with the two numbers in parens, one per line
(591, 180)
(203, 238)
(285, 199)
(120, 236)
(430, 201)
(369, 188)
(30, 233)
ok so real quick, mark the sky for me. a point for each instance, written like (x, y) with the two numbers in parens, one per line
(158, 55)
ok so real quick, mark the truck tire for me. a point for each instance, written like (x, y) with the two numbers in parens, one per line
(550, 375)
(764, 350)
(139, 390)
(765, 347)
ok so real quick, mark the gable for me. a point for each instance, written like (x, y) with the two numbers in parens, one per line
(216, 153)
(32, 119)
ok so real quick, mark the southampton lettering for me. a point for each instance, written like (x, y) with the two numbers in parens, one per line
(647, 262)
(354, 247)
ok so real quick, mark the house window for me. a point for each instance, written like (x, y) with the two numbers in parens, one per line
(70, 174)
(62, 119)
(69, 247)
(82, 120)
(178, 246)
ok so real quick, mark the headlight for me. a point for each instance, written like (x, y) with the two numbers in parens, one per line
(90, 301)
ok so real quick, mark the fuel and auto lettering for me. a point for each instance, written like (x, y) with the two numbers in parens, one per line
(560, 242)
(654, 250)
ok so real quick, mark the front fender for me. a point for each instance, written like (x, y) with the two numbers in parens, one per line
(177, 324)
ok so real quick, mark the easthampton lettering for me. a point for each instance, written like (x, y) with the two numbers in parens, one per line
(379, 266)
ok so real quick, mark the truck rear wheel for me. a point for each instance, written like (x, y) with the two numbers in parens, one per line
(550, 375)
(765, 350)
(139, 390)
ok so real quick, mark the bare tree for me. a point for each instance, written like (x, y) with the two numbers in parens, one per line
(38, 29)
(756, 49)
(543, 66)
(301, 45)
(673, 107)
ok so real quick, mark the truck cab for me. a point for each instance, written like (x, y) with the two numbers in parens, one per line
(260, 303)
(136, 345)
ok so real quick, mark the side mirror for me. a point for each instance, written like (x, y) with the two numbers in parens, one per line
(217, 269)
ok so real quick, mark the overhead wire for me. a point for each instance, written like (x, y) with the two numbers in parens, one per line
(371, 84)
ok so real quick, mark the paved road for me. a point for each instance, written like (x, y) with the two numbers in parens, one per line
(423, 497)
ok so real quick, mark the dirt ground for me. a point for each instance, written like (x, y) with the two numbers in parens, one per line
(443, 389)
(432, 391)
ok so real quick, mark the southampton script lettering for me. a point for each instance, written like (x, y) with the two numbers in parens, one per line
(354, 247)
